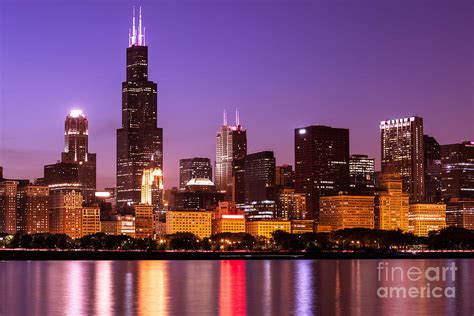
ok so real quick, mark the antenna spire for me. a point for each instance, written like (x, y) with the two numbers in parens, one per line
(237, 120)
(140, 33)
(225, 118)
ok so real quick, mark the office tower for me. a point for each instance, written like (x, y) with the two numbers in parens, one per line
(302, 226)
(1, 172)
(152, 187)
(291, 205)
(139, 140)
(391, 203)
(144, 219)
(77, 167)
(35, 203)
(198, 194)
(71, 214)
(192, 168)
(432, 156)
(403, 152)
(457, 175)
(362, 174)
(197, 222)
(90, 222)
(284, 176)
(460, 213)
(424, 218)
(259, 210)
(321, 164)
(119, 225)
(345, 211)
(260, 177)
(231, 149)
(8, 206)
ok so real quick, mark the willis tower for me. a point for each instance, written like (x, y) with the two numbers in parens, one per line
(139, 140)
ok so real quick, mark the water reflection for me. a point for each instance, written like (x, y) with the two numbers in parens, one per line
(304, 287)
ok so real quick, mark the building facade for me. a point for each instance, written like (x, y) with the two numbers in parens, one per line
(193, 168)
(432, 156)
(460, 213)
(345, 211)
(457, 175)
(260, 177)
(424, 218)
(291, 205)
(265, 228)
(144, 221)
(90, 220)
(139, 140)
(8, 206)
(402, 151)
(362, 174)
(197, 222)
(321, 164)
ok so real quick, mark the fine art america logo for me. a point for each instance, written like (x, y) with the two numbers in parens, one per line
(416, 282)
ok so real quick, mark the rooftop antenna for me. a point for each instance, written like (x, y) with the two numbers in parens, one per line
(225, 118)
(237, 120)
(134, 29)
(140, 34)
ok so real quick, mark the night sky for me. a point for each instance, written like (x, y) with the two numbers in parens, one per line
(284, 64)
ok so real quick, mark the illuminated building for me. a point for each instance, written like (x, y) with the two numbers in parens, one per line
(259, 210)
(197, 222)
(152, 187)
(321, 164)
(198, 194)
(345, 211)
(231, 149)
(424, 218)
(301, 226)
(139, 140)
(90, 220)
(260, 176)
(106, 203)
(432, 156)
(284, 176)
(8, 206)
(460, 213)
(265, 228)
(228, 219)
(72, 214)
(144, 221)
(457, 177)
(193, 168)
(77, 166)
(391, 203)
(119, 225)
(291, 205)
(36, 204)
(403, 153)
(362, 174)
(56, 205)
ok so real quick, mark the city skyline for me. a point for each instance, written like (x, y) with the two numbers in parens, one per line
(18, 145)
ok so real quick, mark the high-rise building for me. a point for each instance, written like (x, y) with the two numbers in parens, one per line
(291, 205)
(139, 140)
(424, 218)
(8, 206)
(144, 219)
(152, 187)
(1, 172)
(362, 174)
(231, 149)
(285, 176)
(193, 168)
(345, 211)
(432, 157)
(36, 206)
(391, 203)
(321, 164)
(198, 194)
(460, 213)
(403, 152)
(457, 176)
(77, 166)
(71, 214)
(260, 177)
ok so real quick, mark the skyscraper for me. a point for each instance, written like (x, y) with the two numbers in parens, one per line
(457, 176)
(139, 140)
(231, 149)
(321, 164)
(362, 174)
(260, 177)
(285, 176)
(8, 206)
(77, 167)
(432, 157)
(193, 168)
(403, 152)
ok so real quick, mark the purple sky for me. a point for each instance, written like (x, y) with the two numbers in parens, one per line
(284, 64)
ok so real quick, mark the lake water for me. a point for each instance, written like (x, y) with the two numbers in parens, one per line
(267, 287)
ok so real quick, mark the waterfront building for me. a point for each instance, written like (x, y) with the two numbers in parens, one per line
(460, 213)
(90, 220)
(197, 222)
(457, 175)
(362, 174)
(424, 218)
(265, 228)
(144, 221)
(301, 226)
(291, 205)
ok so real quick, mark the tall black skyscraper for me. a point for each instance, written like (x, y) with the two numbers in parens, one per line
(432, 156)
(139, 140)
(321, 164)
(193, 168)
(260, 177)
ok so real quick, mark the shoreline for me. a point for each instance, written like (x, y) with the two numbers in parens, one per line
(43, 255)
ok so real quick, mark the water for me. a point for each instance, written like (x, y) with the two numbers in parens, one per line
(300, 287)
